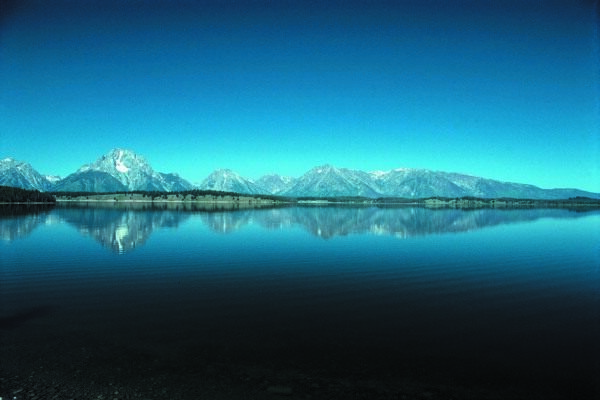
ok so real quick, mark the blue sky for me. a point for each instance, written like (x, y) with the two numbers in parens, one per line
(507, 90)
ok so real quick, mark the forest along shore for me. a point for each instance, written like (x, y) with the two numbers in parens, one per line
(10, 195)
(160, 197)
(577, 203)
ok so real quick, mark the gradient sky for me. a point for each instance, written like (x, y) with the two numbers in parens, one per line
(508, 90)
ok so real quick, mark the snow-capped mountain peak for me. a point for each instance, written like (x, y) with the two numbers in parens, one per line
(120, 165)
(21, 174)
(327, 180)
(226, 180)
(123, 170)
(120, 161)
(52, 178)
(130, 170)
(323, 169)
(378, 174)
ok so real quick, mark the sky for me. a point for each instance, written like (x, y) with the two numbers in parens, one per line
(508, 90)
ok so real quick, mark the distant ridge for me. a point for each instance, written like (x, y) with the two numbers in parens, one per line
(226, 180)
(21, 175)
(124, 170)
(416, 183)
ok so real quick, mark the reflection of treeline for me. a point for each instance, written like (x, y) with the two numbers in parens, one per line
(10, 194)
(13, 210)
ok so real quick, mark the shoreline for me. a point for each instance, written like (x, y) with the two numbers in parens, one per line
(263, 203)
(250, 201)
(236, 200)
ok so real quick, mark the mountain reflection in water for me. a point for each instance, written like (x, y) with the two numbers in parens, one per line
(123, 227)
(329, 302)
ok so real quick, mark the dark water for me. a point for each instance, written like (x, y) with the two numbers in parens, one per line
(118, 302)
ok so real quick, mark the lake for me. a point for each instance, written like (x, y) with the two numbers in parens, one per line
(174, 301)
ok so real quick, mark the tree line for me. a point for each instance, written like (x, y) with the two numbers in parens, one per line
(9, 194)
(194, 193)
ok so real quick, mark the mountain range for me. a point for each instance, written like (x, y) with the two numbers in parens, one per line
(124, 170)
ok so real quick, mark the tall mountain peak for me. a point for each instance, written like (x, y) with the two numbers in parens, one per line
(123, 170)
(130, 170)
(119, 161)
(226, 180)
(327, 180)
(321, 169)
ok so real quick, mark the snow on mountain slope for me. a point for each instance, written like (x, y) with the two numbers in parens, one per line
(22, 175)
(130, 170)
(327, 180)
(122, 170)
(89, 181)
(226, 180)
(275, 184)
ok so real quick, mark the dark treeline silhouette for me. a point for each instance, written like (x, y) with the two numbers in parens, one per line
(194, 194)
(9, 194)
(468, 201)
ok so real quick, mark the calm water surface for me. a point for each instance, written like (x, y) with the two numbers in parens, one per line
(321, 302)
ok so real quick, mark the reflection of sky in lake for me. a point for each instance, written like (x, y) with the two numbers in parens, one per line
(501, 302)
